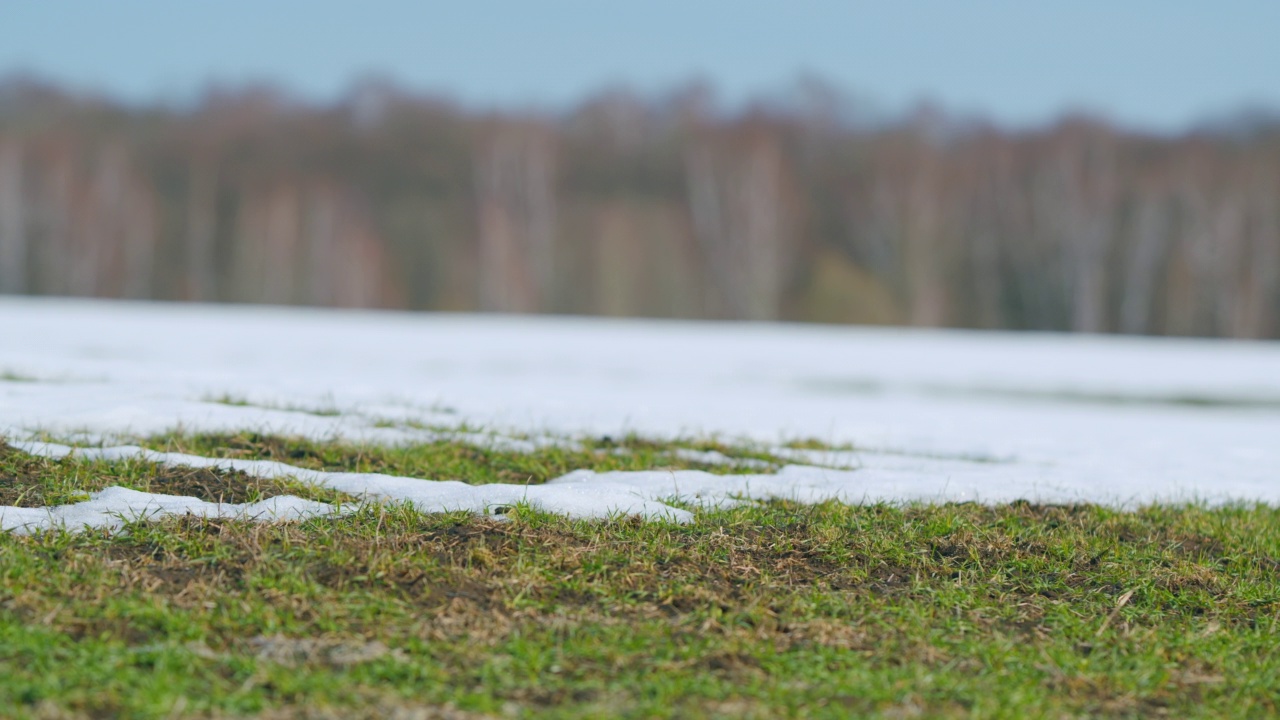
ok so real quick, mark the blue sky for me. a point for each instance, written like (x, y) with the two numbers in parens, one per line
(1160, 65)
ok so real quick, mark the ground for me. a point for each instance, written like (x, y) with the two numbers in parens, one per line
(763, 609)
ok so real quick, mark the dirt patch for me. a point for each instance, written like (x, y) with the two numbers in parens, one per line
(20, 476)
(338, 653)
(225, 486)
(371, 708)
(471, 563)
(255, 446)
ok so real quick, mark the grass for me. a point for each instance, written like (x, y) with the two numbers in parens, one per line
(329, 409)
(29, 481)
(16, 377)
(448, 459)
(764, 610)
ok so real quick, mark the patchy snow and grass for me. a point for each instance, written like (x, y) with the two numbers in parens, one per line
(919, 415)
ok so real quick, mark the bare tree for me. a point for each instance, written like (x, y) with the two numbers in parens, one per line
(201, 231)
(735, 200)
(13, 222)
(673, 205)
(515, 180)
(1145, 262)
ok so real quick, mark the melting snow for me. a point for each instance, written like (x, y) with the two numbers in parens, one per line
(936, 415)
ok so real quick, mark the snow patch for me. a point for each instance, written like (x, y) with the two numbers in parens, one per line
(114, 506)
(585, 493)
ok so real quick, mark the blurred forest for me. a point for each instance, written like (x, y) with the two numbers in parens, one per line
(790, 209)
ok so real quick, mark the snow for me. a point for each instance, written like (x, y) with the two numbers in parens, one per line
(111, 507)
(114, 506)
(934, 415)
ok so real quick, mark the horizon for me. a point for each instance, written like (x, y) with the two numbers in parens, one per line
(853, 111)
(1146, 66)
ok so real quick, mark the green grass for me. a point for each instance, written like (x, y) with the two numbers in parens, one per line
(29, 481)
(329, 409)
(763, 610)
(456, 460)
(16, 377)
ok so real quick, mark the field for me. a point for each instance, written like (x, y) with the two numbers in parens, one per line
(639, 519)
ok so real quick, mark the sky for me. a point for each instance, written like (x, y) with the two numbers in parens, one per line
(1161, 65)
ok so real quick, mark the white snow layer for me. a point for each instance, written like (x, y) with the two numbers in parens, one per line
(936, 415)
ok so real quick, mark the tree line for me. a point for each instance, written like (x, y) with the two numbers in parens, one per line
(665, 206)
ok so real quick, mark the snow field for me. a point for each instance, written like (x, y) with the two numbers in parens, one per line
(933, 415)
